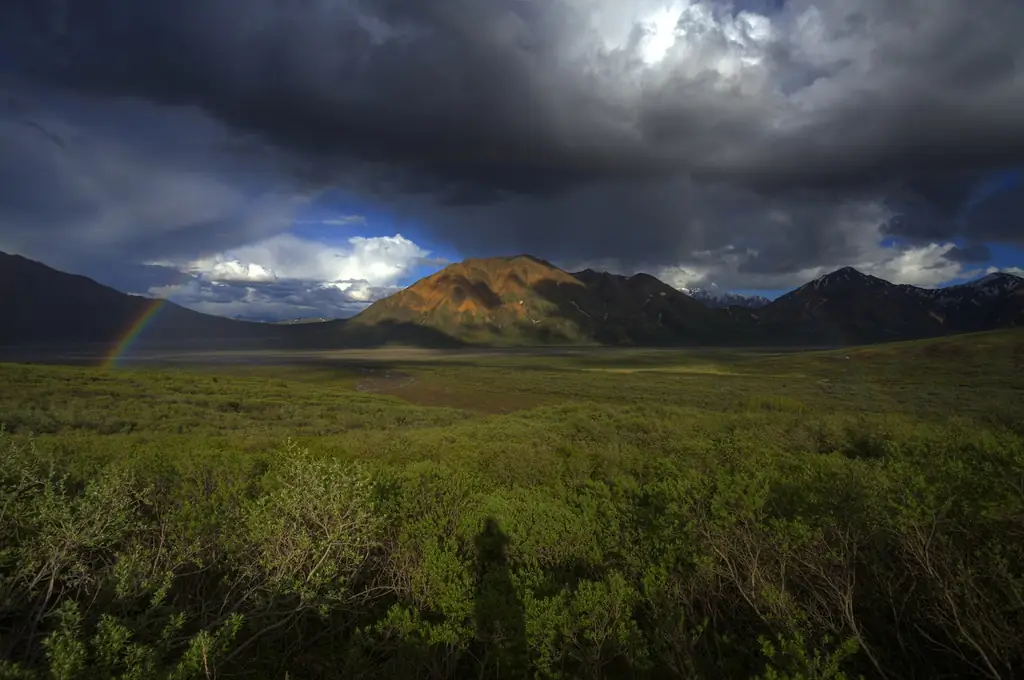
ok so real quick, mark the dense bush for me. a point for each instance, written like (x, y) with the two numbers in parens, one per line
(889, 555)
(707, 516)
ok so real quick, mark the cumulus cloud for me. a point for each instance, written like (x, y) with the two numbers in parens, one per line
(285, 277)
(925, 266)
(754, 142)
(234, 271)
(1016, 271)
(380, 260)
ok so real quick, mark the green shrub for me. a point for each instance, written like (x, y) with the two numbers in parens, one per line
(781, 519)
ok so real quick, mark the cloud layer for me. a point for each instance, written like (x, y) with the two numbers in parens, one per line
(754, 142)
(286, 277)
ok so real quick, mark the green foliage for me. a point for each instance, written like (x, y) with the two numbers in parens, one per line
(790, 659)
(738, 519)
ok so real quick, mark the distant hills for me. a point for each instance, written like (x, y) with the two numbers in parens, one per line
(41, 305)
(847, 306)
(522, 300)
(716, 298)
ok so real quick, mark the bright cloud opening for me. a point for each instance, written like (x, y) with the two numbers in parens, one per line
(285, 277)
(379, 261)
(660, 29)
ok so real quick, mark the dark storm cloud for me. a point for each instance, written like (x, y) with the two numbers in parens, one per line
(477, 89)
(122, 275)
(981, 206)
(533, 126)
(127, 180)
(976, 252)
(671, 221)
(1000, 217)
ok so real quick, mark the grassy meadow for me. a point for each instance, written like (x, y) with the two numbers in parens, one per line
(581, 514)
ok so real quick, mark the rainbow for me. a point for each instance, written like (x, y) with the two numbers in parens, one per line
(121, 347)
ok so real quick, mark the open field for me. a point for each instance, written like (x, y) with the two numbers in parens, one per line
(595, 513)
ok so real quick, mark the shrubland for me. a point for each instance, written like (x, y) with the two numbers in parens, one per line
(601, 515)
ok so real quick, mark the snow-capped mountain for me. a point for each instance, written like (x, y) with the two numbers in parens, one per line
(716, 298)
(991, 286)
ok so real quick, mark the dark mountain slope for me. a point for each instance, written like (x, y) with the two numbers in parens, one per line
(716, 298)
(41, 305)
(847, 307)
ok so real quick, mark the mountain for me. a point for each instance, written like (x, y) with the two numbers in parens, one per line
(41, 305)
(848, 306)
(525, 300)
(518, 300)
(716, 298)
(992, 301)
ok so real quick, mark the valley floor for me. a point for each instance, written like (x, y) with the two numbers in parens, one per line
(566, 512)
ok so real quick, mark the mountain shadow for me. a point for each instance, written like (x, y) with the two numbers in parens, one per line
(612, 309)
(500, 618)
(342, 334)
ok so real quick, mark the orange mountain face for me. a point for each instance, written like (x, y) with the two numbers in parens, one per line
(482, 287)
(522, 298)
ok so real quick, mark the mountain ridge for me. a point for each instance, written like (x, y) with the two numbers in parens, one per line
(51, 306)
(847, 305)
(716, 298)
(524, 300)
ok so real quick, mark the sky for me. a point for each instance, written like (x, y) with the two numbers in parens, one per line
(301, 158)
